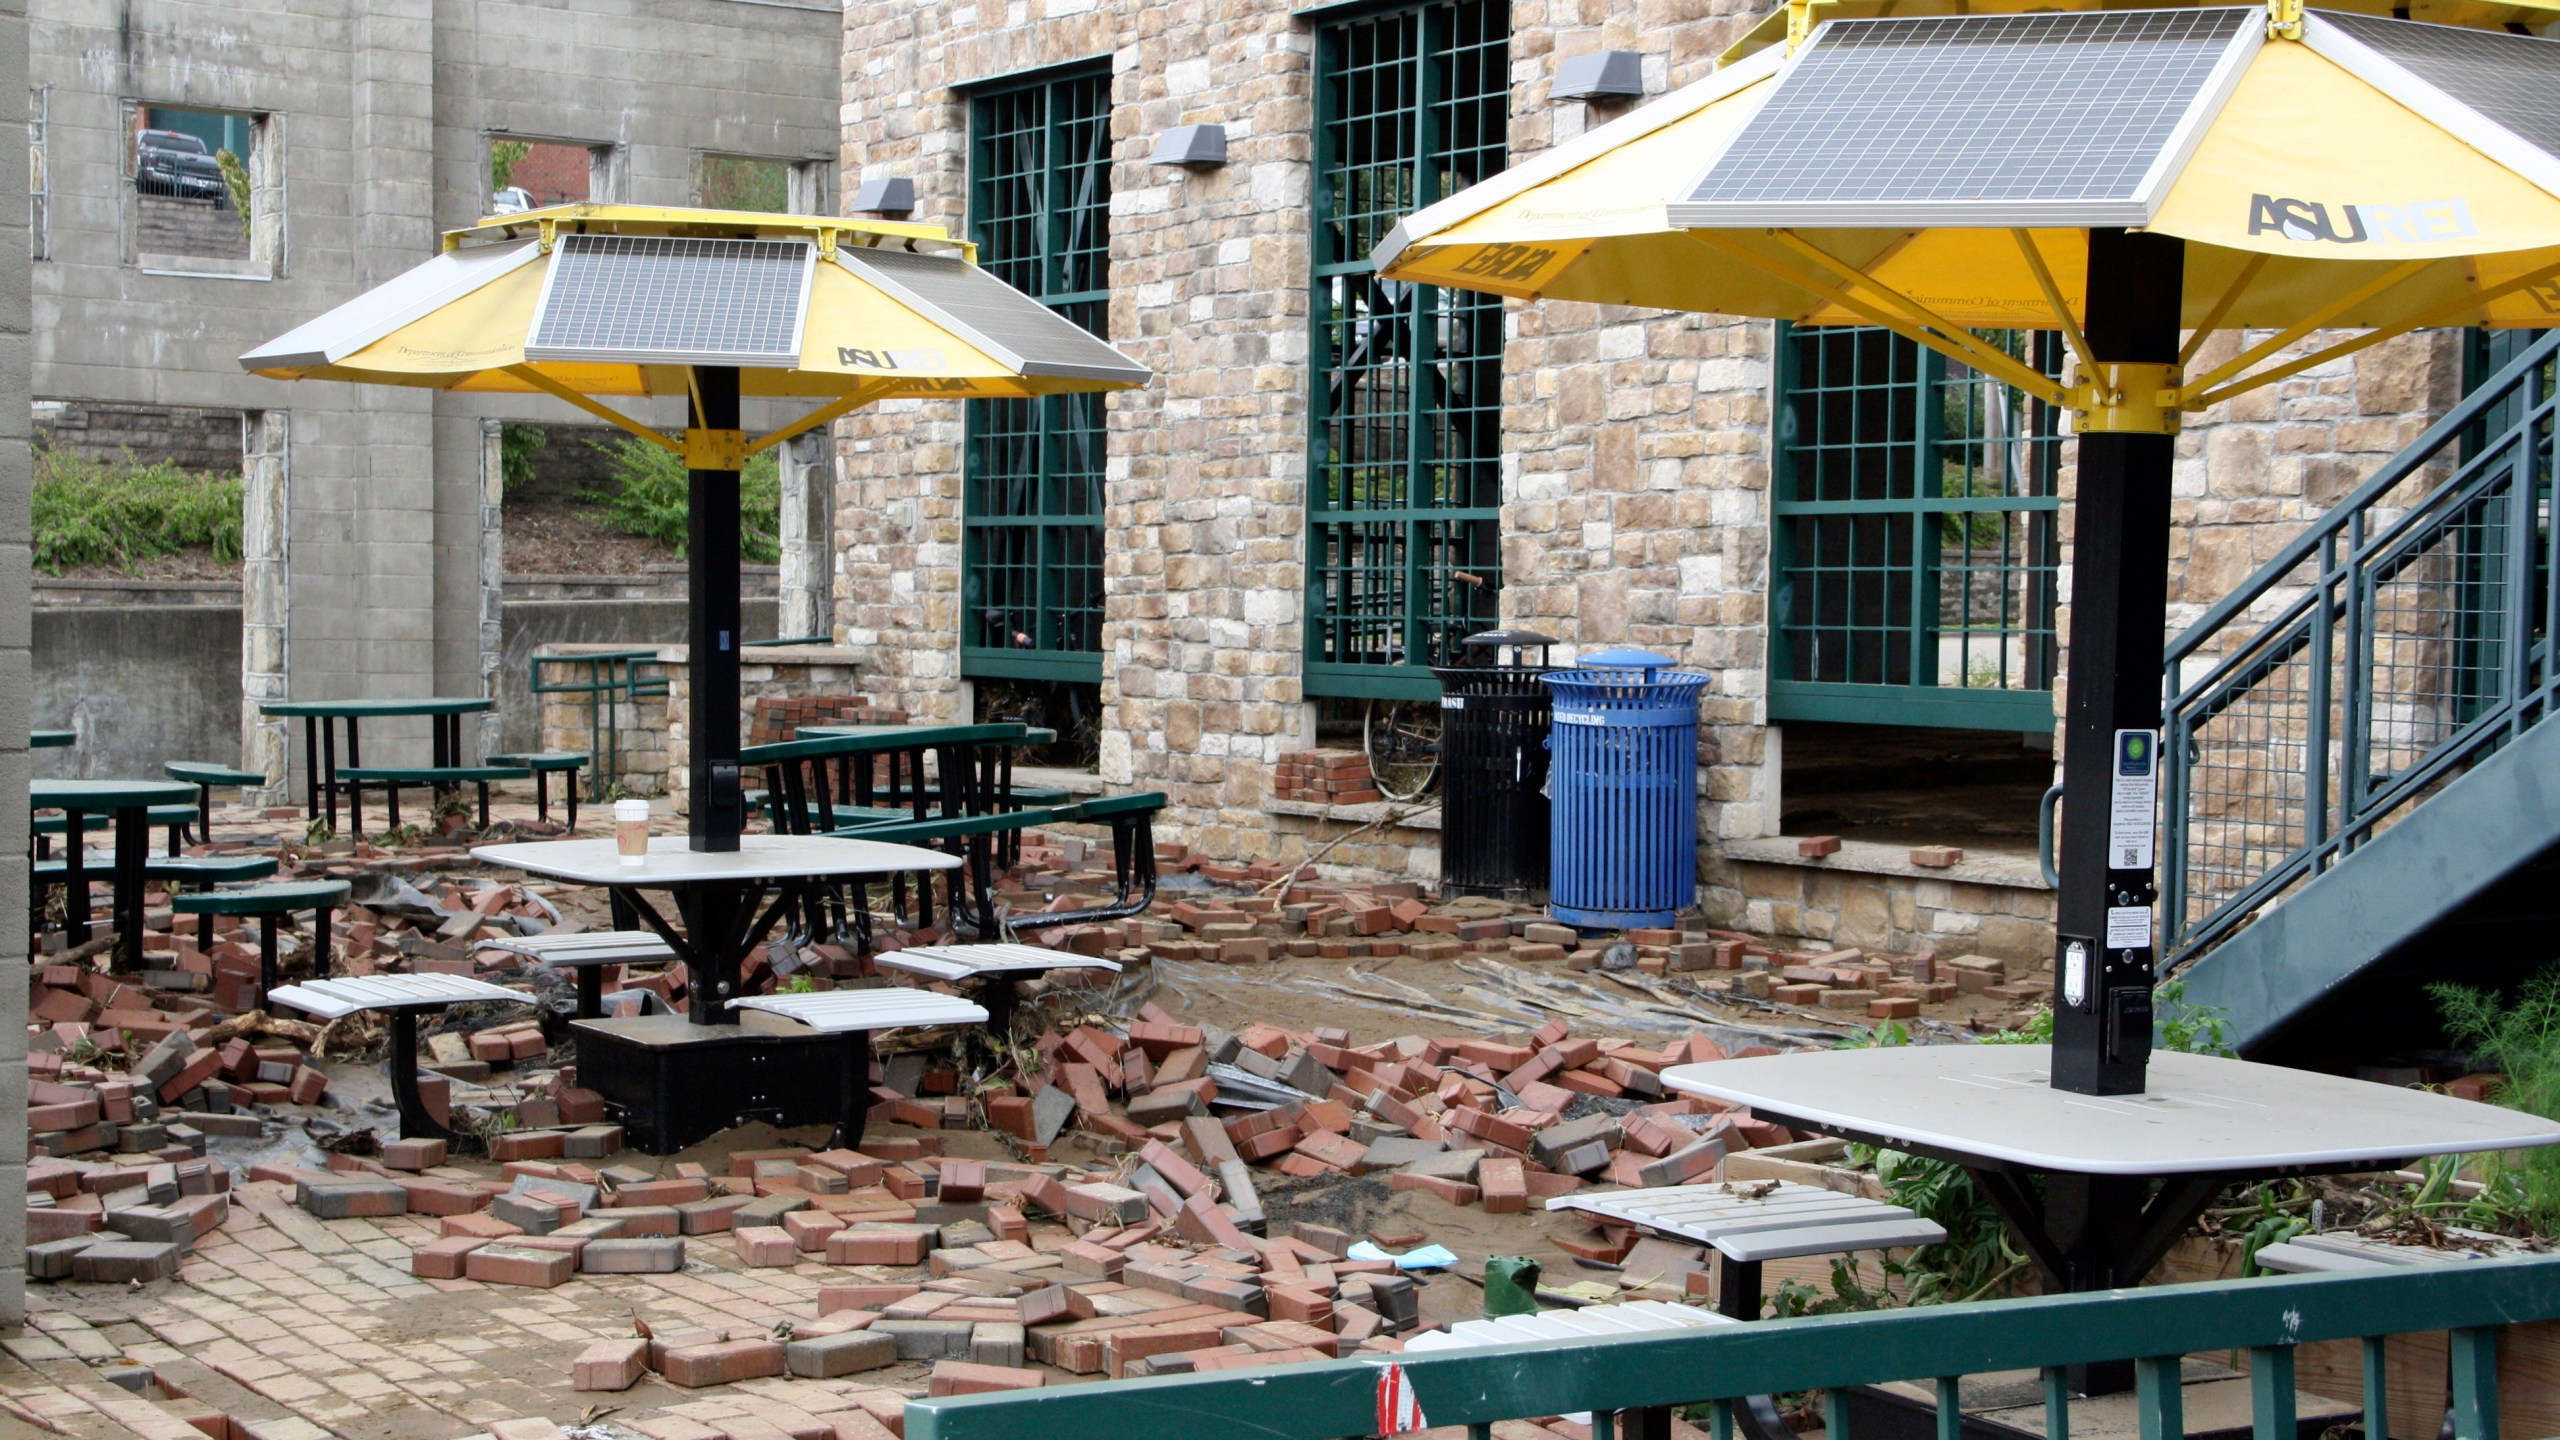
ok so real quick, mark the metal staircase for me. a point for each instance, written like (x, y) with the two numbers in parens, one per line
(2361, 795)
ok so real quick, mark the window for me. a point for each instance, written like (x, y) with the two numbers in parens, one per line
(1404, 490)
(747, 182)
(530, 174)
(1916, 552)
(1040, 210)
(207, 197)
(39, 101)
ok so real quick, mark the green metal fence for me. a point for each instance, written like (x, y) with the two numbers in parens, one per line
(1915, 545)
(1404, 496)
(1040, 210)
(1720, 1366)
(2403, 635)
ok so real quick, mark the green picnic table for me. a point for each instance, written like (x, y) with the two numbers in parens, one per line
(130, 802)
(320, 719)
(50, 739)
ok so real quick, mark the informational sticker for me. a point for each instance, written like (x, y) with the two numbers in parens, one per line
(2133, 801)
(1453, 702)
(1399, 1411)
(2128, 927)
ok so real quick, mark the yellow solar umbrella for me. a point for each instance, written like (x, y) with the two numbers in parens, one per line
(589, 302)
(2119, 176)
(1791, 23)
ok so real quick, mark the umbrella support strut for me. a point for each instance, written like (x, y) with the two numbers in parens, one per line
(712, 622)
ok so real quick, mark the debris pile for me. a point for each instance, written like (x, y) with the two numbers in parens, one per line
(120, 1223)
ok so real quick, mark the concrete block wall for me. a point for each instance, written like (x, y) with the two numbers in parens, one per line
(380, 113)
(15, 686)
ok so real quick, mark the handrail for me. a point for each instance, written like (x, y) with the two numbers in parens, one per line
(2411, 641)
(2461, 417)
(1720, 1365)
(612, 679)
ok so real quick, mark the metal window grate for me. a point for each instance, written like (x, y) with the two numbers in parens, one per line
(1039, 208)
(1404, 489)
(1915, 532)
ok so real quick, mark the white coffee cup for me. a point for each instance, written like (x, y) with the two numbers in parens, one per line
(631, 830)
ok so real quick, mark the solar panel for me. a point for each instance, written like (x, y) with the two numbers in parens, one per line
(983, 310)
(1980, 119)
(2512, 79)
(661, 300)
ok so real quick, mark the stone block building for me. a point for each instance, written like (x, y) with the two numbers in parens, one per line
(208, 175)
(1332, 479)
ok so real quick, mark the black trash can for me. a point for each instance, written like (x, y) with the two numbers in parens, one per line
(1493, 754)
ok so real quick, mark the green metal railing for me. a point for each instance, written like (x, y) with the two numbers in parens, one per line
(1404, 495)
(2401, 637)
(1721, 1366)
(609, 679)
(1915, 546)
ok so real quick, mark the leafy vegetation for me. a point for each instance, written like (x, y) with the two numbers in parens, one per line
(121, 512)
(732, 182)
(650, 489)
(516, 446)
(235, 178)
(2520, 1039)
(504, 157)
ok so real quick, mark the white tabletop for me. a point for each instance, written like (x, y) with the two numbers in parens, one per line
(330, 999)
(672, 861)
(2202, 1114)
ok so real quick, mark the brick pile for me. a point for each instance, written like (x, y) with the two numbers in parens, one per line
(1471, 1121)
(1324, 777)
(115, 1223)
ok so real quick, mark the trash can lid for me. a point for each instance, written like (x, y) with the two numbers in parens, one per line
(1508, 637)
(1624, 660)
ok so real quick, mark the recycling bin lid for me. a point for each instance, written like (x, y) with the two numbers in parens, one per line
(1624, 660)
(1509, 637)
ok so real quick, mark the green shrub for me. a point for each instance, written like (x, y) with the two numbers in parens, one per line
(516, 446)
(235, 179)
(121, 512)
(2520, 1039)
(650, 489)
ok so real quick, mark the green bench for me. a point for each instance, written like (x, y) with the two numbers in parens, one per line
(395, 778)
(1130, 818)
(176, 869)
(205, 775)
(544, 764)
(181, 820)
(268, 903)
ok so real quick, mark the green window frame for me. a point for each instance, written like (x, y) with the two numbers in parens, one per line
(1915, 548)
(1404, 484)
(1032, 487)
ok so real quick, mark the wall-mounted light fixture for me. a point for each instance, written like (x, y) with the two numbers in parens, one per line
(1600, 75)
(1200, 146)
(893, 196)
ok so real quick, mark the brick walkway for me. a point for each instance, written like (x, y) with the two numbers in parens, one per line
(296, 1328)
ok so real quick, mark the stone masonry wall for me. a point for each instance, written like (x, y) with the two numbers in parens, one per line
(1636, 442)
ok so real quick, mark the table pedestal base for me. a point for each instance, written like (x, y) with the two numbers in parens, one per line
(672, 1083)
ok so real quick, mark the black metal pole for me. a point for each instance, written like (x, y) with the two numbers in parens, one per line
(711, 562)
(2104, 953)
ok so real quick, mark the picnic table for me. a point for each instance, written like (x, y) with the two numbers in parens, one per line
(678, 1080)
(321, 720)
(2124, 1175)
(129, 802)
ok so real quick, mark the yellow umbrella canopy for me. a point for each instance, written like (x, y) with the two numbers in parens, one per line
(1789, 24)
(1938, 174)
(589, 301)
(586, 301)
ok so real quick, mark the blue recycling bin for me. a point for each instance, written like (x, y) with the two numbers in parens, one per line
(1624, 780)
